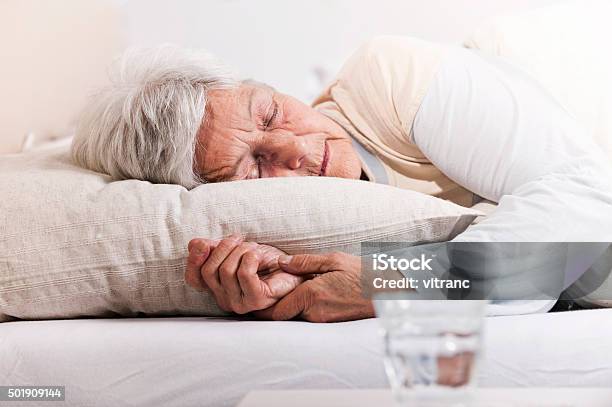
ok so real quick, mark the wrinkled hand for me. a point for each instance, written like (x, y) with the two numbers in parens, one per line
(242, 276)
(332, 293)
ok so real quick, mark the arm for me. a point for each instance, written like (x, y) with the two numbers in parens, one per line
(492, 129)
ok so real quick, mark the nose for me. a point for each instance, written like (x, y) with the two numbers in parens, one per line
(286, 150)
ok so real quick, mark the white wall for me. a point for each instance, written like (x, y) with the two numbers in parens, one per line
(283, 41)
(53, 52)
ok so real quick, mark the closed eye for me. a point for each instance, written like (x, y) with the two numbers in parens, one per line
(255, 171)
(270, 119)
(258, 167)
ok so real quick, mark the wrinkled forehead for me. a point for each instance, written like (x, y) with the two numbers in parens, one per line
(235, 108)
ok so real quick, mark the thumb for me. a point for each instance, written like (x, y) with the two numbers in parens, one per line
(307, 263)
(199, 242)
(289, 307)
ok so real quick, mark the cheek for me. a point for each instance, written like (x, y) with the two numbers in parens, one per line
(221, 155)
(230, 153)
(345, 162)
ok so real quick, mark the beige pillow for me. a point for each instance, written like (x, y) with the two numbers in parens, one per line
(73, 244)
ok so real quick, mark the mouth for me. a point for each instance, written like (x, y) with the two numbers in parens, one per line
(325, 160)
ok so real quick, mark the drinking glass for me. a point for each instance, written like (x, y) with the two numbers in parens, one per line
(432, 348)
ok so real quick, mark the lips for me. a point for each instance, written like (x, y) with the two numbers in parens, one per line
(325, 161)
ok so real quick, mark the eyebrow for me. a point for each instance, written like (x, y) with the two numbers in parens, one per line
(220, 174)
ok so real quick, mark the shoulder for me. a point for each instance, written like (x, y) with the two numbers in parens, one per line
(383, 61)
(380, 87)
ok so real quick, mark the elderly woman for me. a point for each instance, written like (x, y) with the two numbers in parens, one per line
(440, 120)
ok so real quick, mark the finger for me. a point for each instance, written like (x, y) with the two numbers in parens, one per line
(268, 257)
(278, 283)
(210, 268)
(249, 281)
(198, 253)
(290, 306)
(210, 242)
(309, 263)
(228, 272)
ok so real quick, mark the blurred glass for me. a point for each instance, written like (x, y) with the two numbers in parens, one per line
(432, 348)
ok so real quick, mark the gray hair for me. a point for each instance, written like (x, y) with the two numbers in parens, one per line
(144, 125)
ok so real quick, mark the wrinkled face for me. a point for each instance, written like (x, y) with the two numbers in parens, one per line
(254, 132)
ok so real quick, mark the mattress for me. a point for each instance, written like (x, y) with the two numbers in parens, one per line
(215, 362)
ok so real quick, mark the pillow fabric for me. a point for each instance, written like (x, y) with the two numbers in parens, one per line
(566, 48)
(73, 243)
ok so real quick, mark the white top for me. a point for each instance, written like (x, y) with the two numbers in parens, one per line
(494, 130)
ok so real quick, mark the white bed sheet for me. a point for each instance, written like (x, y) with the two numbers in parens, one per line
(215, 362)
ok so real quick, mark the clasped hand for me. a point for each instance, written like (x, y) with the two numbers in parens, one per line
(249, 277)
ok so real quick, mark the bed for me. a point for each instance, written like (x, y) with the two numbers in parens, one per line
(216, 362)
